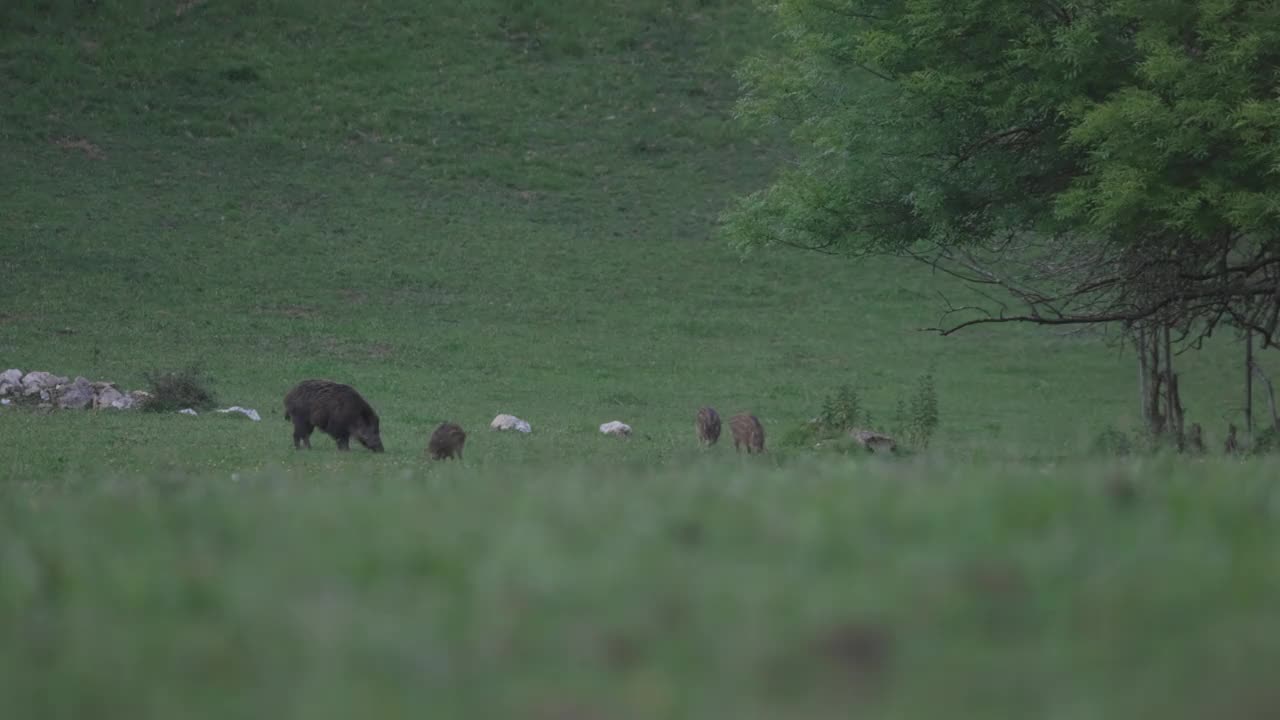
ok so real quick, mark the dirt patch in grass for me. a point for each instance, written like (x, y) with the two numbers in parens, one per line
(89, 149)
(289, 311)
(353, 296)
(187, 6)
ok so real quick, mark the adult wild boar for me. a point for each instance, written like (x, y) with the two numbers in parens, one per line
(338, 410)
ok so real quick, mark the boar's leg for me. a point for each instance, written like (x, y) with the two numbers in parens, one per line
(301, 433)
(344, 441)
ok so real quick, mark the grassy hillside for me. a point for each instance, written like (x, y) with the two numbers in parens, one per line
(463, 210)
(491, 206)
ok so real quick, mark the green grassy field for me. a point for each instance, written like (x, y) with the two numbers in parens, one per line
(495, 206)
(836, 590)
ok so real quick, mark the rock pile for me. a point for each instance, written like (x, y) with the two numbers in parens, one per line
(45, 389)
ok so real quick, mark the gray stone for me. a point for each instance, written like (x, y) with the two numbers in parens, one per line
(76, 396)
(32, 383)
(10, 382)
(126, 402)
(107, 397)
(140, 397)
(37, 380)
(874, 441)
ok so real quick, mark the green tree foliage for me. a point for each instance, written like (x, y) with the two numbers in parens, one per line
(1094, 161)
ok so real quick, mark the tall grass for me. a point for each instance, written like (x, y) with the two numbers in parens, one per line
(897, 590)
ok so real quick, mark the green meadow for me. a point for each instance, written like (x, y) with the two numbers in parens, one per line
(492, 206)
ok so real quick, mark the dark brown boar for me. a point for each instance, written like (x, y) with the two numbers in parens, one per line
(446, 442)
(748, 431)
(338, 410)
(707, 425)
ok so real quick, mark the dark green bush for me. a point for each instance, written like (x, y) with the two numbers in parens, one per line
(177, 389)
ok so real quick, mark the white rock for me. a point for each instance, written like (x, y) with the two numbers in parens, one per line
(76, 396)
(10, 382)
(5, 401)
(510, 422)
(107, 397)
(37, 380)
(616, 428)
(187, 411)
(247, 412)
(126, 402)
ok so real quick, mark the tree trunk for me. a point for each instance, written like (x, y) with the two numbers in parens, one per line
(1248, 385)
(1271, 397)
(1162, 412)
(1173, 403)
(1144, 375)
(1150, 379)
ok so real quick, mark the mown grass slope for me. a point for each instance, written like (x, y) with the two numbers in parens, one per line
(468, 209)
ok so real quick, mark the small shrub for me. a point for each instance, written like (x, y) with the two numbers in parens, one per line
(177, 389)
(922, 413)
(899, 426)
(841, 410)
(915, 419)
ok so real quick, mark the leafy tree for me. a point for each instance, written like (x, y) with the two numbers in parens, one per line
(1074, 162)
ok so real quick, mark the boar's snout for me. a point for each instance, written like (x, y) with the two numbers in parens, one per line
(370, 438)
